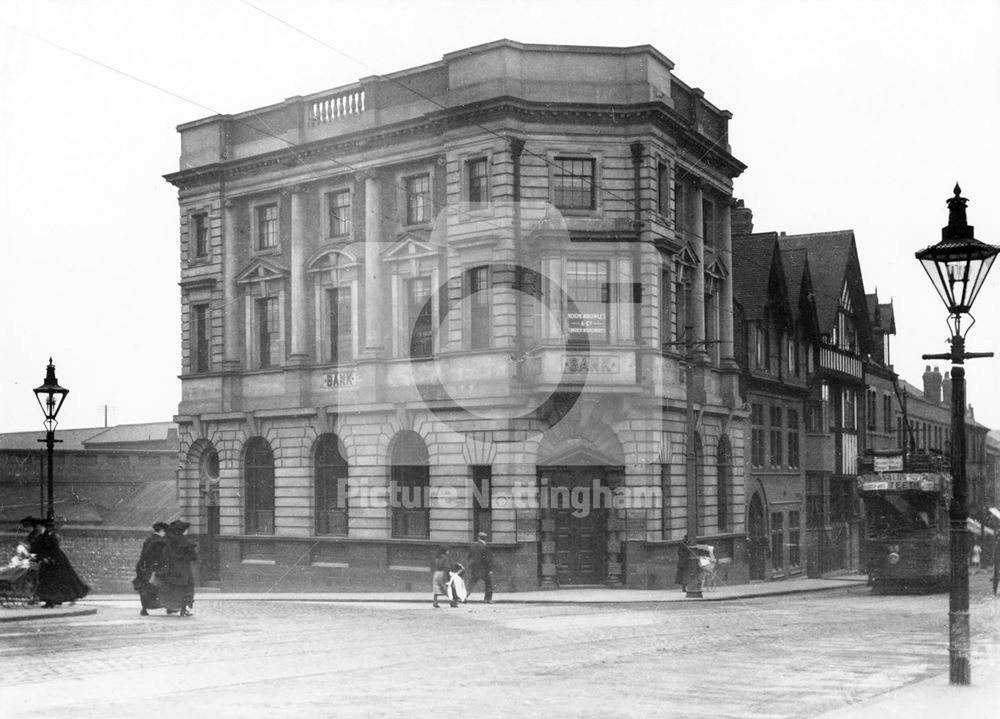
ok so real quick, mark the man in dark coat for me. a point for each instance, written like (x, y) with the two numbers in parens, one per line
(150, 562)
(481, 567)
(685, 557)
(57, 582)
(177, 577)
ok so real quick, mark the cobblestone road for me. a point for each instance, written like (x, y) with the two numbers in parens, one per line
(791, 656)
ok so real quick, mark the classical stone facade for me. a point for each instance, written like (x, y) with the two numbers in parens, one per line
(492, 293)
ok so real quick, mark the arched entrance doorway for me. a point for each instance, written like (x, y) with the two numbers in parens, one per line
(580, 465)
(206, 458)
(757, 539)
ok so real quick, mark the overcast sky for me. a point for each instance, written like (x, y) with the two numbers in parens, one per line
(850, 115)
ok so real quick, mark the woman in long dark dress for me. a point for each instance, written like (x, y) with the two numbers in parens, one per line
(150, 562)
(57, 581)
(177, 577)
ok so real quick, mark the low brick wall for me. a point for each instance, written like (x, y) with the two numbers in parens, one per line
(103, 557)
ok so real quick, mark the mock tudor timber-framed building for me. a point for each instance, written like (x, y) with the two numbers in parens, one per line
(491, 293)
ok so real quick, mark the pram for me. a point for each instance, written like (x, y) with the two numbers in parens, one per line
(18, 584)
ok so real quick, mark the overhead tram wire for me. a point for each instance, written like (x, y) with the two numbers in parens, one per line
(630, 202)
(264, 128)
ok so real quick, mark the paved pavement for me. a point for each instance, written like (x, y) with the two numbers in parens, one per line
(572, 595)
(930, 697)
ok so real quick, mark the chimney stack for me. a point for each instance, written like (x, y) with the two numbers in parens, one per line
(932, 385)
(946, 390)
(742, 219)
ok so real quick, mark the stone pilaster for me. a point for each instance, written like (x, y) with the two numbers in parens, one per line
(374, 309)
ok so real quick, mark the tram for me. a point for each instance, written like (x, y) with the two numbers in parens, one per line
(906, 528)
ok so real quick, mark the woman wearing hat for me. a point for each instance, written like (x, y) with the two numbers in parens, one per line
(150, 562)
(177, 578)
(57, 582)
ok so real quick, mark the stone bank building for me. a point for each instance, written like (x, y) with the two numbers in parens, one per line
(491, 293)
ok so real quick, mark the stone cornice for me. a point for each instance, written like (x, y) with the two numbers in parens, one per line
(436, 123)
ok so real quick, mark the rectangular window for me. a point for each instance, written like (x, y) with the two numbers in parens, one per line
(482, 476)
(478, 285)
(666, 344)
(338, 302)
(793, 438)
(411, 512)
(418, 199)
(708, 222)
(887, 413)
(199, 231)
(849, 415)
(573, 183)
(420, 317)
(200, 332)
(663, 188)
(776, 432)
(777, 541)
(757, 435)
(268, 331)
(680, 207)
(267, 226)
(588, 302)
(871, 409)
(794, 540)
(682, 295)
(338, 208)
(478, 179)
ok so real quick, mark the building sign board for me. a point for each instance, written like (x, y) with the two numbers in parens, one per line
(902, 482)
(889, 463)
(588, 323)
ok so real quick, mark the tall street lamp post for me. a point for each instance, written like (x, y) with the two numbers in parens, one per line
(50, 398)
(957, 266)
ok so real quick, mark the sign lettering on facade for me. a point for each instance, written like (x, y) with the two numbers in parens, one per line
(340, 378)
(594, 323)
(580, 364)
(892, 463)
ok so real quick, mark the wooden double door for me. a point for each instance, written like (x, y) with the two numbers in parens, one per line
(580, 512)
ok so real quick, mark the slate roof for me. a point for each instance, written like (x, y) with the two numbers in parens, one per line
(753, 258)
(133, 435)
(794, 261)
(71, 439)
(830, 255)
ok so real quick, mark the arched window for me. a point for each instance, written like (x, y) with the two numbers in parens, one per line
(409, 486)
(331, 487)
(724, 481)
(259, 487)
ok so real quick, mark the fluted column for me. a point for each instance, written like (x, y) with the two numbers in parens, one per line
(230, 304)
(374, 318)
(298, 277)
(727, 351)
(698, 280)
